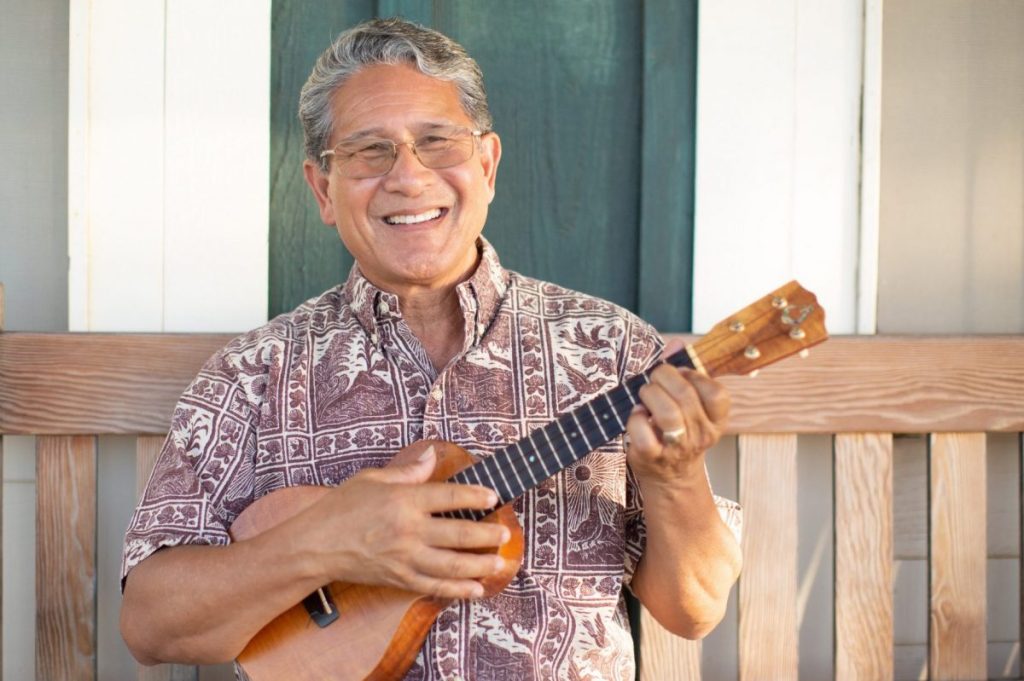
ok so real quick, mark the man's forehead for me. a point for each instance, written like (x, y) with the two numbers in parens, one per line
(384, 99)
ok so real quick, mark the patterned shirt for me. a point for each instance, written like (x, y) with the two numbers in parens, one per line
(341, 383)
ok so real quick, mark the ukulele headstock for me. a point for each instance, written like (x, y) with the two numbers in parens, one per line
(785, 322)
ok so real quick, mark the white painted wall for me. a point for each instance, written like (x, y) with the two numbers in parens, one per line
(169, 157)
(778, 154)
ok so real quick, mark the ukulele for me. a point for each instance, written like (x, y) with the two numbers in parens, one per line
(357, 632)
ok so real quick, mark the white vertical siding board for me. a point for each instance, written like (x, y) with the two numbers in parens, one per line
(217, 165)
(78, 165)
(123, 183)
(826, 167)
(777, 181)
(870, 169)
(743, 198)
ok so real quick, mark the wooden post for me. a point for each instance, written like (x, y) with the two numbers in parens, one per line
(1, 504)
(66, 557)
(957, 634)
(768, 584)
(864, 555)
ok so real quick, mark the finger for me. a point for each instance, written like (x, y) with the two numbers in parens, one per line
(456, 589)
(642, 438)
(713, 395)
(450, 564)
(415, 471)
(464, 534)
(666, 412)
(672, 347)
(434, 497)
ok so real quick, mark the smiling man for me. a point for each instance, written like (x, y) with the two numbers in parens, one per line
(429, 338)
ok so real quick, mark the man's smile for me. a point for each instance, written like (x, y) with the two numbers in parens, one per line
(415, 218)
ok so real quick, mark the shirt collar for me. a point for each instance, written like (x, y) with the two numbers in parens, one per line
(480, 297)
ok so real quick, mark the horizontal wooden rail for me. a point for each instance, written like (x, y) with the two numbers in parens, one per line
(63, 384)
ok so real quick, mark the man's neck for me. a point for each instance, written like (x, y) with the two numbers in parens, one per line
(435, 317)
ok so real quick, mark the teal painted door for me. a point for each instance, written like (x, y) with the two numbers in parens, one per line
(594, 102)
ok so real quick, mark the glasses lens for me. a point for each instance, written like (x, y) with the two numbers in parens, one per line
(442, 148)
(445, 149)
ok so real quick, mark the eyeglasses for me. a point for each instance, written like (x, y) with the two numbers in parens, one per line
(442, 147)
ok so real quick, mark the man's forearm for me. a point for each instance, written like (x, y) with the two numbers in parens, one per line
(691, 559)
(202, 604)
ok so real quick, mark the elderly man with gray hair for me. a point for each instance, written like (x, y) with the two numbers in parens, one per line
(315, 473)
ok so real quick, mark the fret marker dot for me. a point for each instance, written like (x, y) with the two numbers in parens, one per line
(532, 459)
(605, 416)
(573, 434)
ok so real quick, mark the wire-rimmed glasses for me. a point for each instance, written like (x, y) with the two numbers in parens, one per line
(440, 147)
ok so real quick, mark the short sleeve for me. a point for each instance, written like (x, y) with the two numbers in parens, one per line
(203, 475)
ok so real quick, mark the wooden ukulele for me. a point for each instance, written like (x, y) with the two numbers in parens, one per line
(358, 632)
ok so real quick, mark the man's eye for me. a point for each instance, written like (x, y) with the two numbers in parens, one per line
(372, 150)
(433, 142)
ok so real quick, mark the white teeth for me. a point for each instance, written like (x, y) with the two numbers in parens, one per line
(412, 219)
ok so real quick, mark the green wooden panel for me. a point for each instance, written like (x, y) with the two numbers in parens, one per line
(669, 123)
(567, 91)
(306, 256)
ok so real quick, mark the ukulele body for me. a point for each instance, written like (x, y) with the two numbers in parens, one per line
(379, 630)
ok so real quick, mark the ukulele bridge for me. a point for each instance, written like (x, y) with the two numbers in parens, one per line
(321, 607)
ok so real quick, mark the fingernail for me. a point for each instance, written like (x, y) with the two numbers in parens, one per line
(493, 499)
(505, 534)
(478, 591)
(499, 563)
(427, 454)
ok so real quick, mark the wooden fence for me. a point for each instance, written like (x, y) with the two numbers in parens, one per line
(69, 388)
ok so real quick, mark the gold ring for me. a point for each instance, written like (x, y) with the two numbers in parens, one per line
(674, 437)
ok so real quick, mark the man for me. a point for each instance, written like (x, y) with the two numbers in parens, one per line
(429, 338)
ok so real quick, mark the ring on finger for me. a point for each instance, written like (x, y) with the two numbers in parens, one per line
(674, 437)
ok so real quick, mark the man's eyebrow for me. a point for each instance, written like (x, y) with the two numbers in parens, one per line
(380, 132)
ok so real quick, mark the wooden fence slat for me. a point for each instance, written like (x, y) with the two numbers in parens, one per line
(768, 584)
(664, 655)
(864, 556)
(110, 383)
(66, 558)
(957, 626)
(147, 448)
(129, 383)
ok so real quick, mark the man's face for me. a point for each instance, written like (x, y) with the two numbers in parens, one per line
(378, 218)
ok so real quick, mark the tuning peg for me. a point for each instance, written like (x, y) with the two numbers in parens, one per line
(804, 354)
(754, 373)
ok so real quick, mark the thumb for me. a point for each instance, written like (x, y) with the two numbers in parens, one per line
(414, 470)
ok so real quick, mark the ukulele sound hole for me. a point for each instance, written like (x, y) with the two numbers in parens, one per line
(314, 604)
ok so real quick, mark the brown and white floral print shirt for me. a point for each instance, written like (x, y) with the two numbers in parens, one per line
(341, 383)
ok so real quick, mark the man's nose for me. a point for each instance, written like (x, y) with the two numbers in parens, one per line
(407, 174)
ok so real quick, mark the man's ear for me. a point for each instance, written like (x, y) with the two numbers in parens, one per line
(319, 182)
(490, 155)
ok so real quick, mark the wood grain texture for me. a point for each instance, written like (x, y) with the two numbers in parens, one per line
(957, 612)
(768, 585)
(129, 383)
(306, 256)
(864, 557)
(66, 558)
(147, 448)
(665, 274)
(65, 384)
(664, 655)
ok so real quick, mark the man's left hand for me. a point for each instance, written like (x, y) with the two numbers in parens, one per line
(682, 414)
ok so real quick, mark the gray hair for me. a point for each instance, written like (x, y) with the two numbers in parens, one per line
(386, 41)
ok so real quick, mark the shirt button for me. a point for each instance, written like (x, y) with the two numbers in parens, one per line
(383, 308)
(436, 394)
(480, 328)
(374, 338)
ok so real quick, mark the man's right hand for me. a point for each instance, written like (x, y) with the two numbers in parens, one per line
(378, 528)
